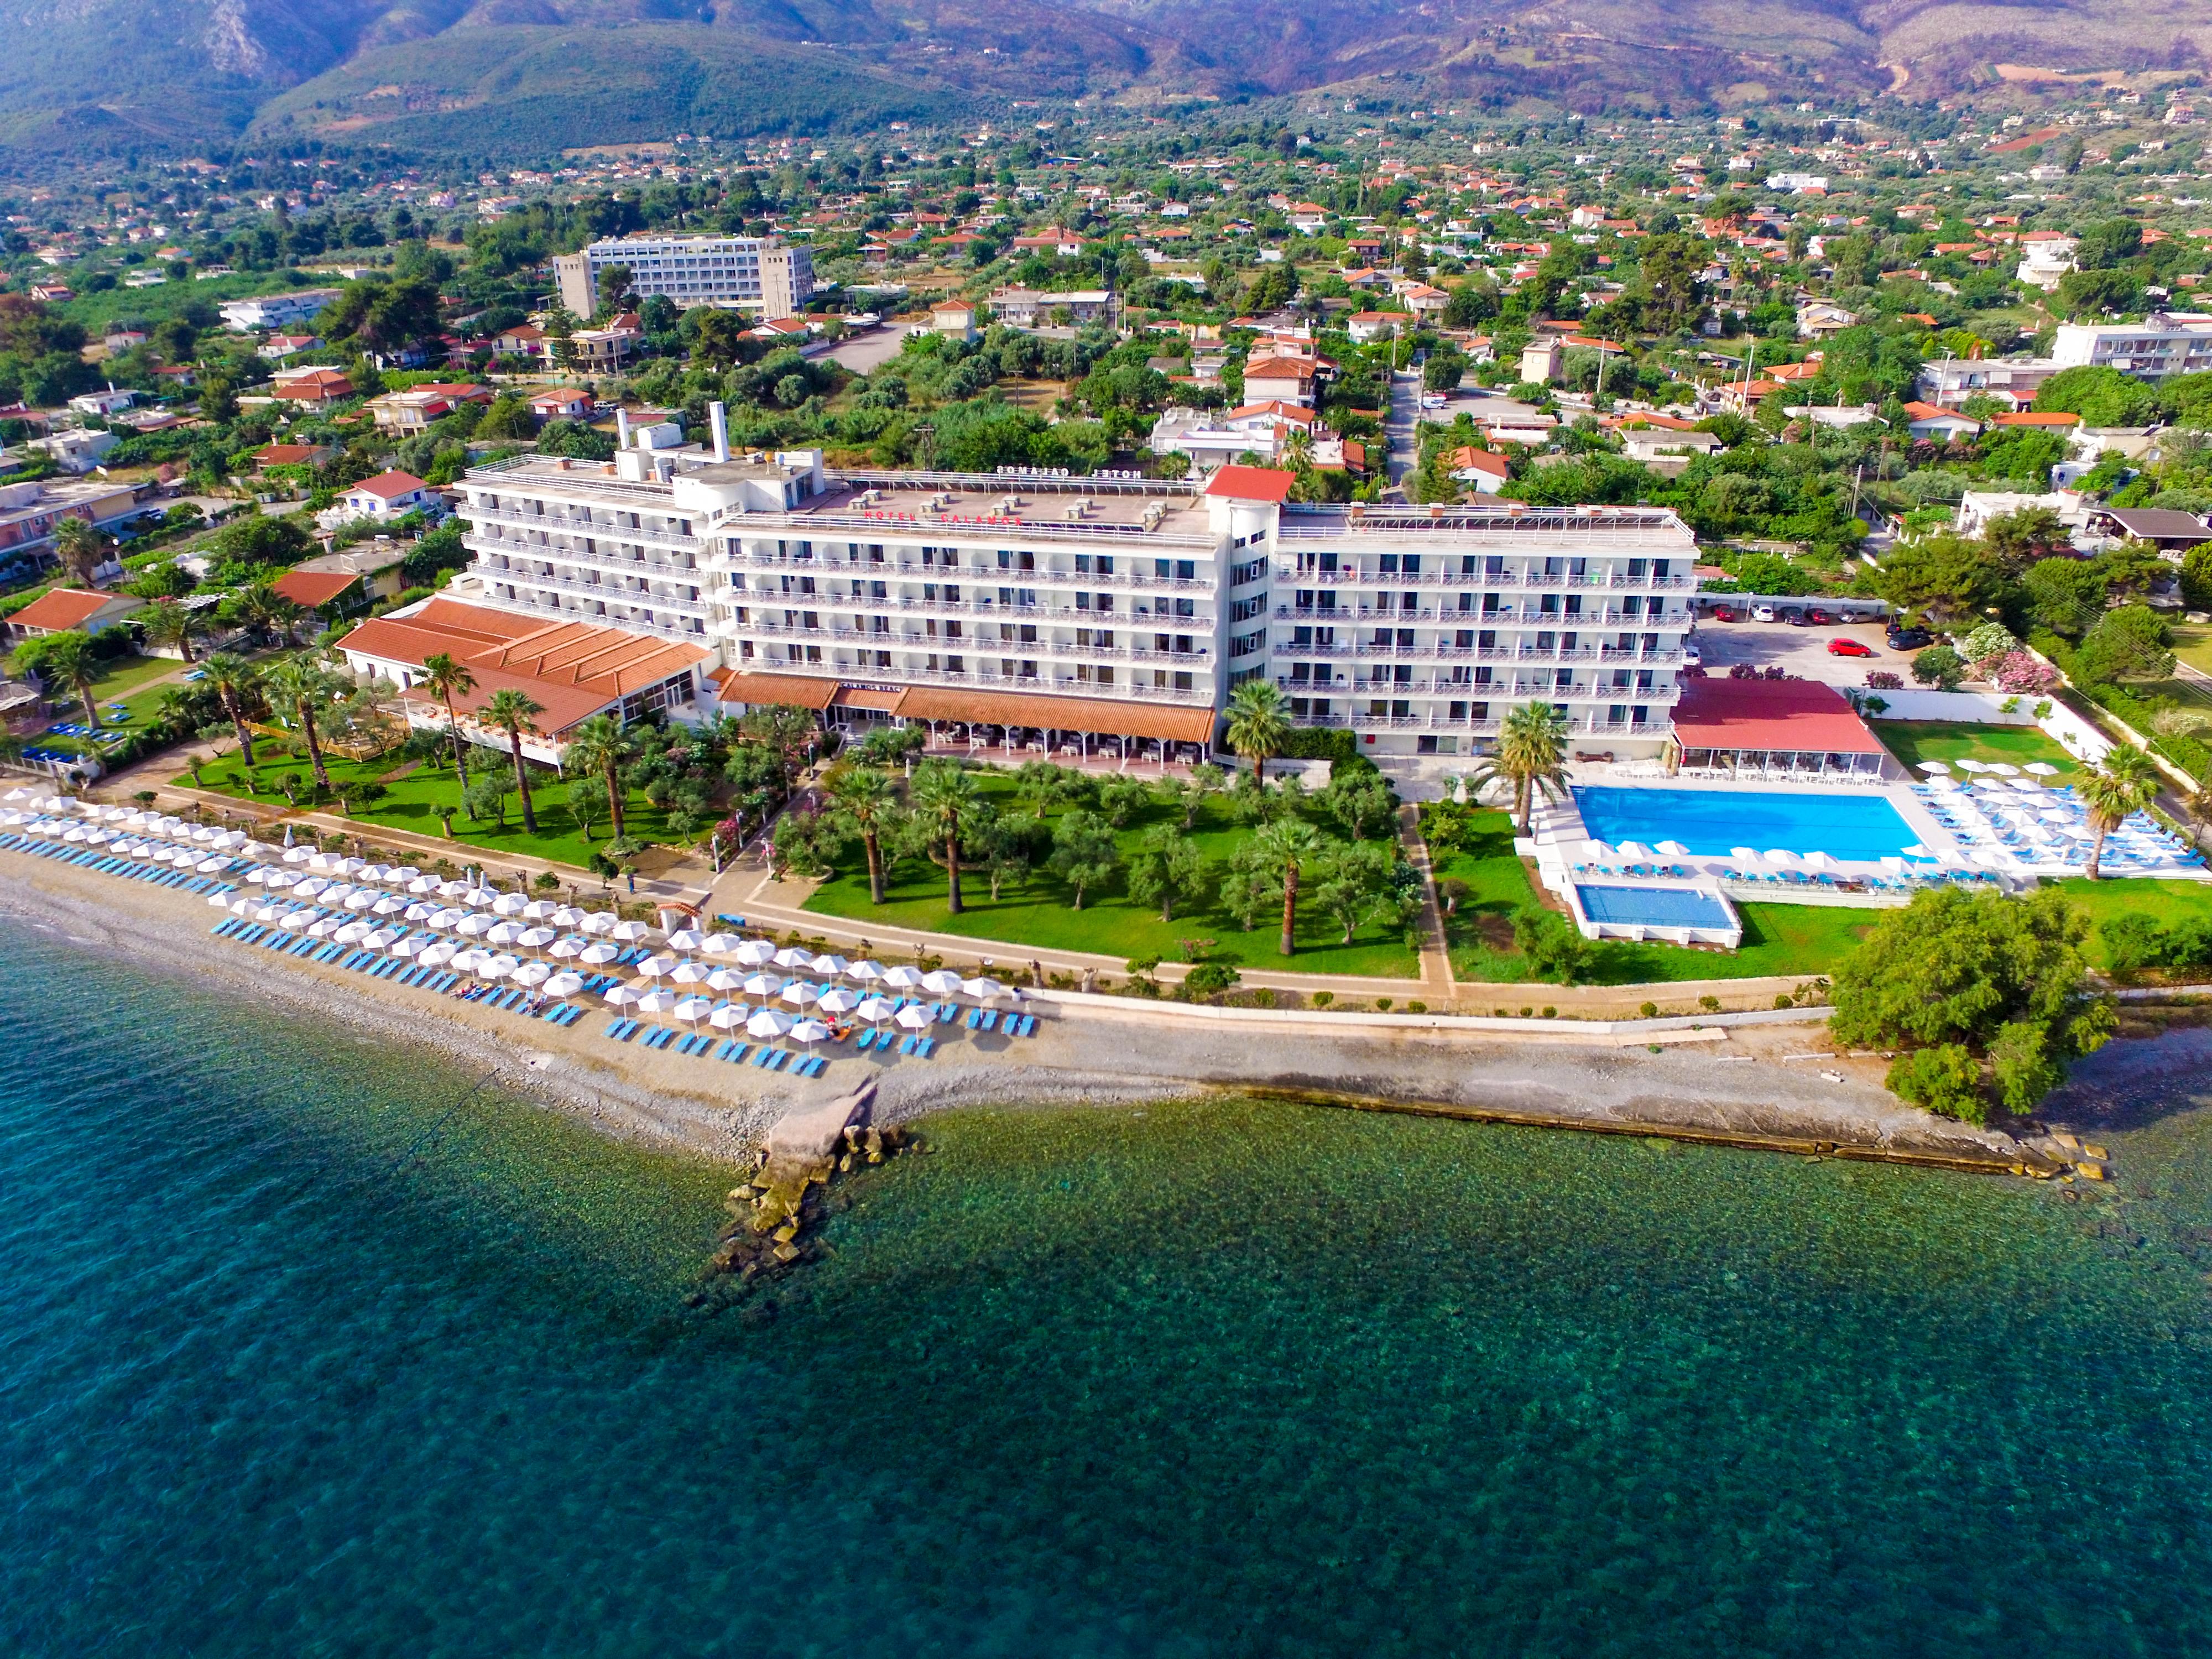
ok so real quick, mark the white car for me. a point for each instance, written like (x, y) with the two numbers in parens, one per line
(1433, 400)
(1762, 613)
(1691, 657)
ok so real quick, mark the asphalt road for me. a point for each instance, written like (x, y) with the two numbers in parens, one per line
(1400, 428)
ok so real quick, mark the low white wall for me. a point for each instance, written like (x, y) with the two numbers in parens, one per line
(2065, 728)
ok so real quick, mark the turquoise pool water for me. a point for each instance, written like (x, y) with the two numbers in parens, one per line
(1708, 822)
(1654, 906)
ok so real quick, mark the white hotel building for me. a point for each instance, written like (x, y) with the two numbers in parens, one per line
(1098, 611)
(758, 274)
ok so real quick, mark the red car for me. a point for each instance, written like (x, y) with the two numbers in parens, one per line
(1723, 613)
(1819, 619)
(1848, 648)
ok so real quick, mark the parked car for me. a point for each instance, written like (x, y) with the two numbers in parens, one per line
(1797, 617)
(1818, 618)
(1433, 400)
(1847, 647)
(1724, 613)
(1691, 657)
(1762, 613)
(1909, 639)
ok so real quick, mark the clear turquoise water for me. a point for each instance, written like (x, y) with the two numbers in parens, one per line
(1844, 824)
(292, 1360)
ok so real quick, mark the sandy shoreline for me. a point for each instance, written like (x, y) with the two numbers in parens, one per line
(1776, 1082)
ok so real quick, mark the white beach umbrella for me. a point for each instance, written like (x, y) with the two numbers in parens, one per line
(270, 911)
(620, 996)
(983, 989)
(768, 1023)
(599, 951)
(419, 911)
(600, 921)
(533, 973)
(566, 949)
(353, 932)
(440, 953)
(838, 1001)
(413, 945)
(1635, 849)
(218, 901)
(914, 1018)
(725, 979)
(253, 878)
(867, 973)
(719, 945)
(690, 973)
(567, 916)
(2004, 769)
(352, 866)
(630, 933)
(481, 898)
(656, 1001)
(244, 904)
(281, 880)
(298, 854)
(875, 1011)
(382, 940)
(799, 993)
(2040, 768)
(474, 926)
(208, 866)
(1972, 765)
(1673, 849)
(509, 904)
(401, 873)
(323, 926)
(539, 909)
(1817, 859)
(534, 938)
(809, 1031)
(362, 899)
(729, 1016)
(755, 953)
(1781, 855)
(424, 885)
(499, 966)
(447, 917)
(654, 966)
(503, 933)
(564, 984)
(830, 967)
(453, 889)
(793, 957)
(692, 1010)
(375, 872)
(468, 961)
(945, 983)
(762, 985)
(902, 978)
(685, 939)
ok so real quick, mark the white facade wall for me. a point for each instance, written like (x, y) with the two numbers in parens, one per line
(2163, 343)
(759, 274)
(1415, 629)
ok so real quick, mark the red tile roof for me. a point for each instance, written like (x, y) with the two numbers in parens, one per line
(1252, 483)
(313, 589)
(391, 485)
(63, 608)
(1789, 715)
(2035, 418)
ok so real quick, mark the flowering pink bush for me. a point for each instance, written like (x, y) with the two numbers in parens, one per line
(2022, 671)
(1882, 680)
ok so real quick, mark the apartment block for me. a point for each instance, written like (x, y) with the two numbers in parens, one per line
(2165, 343)
(762, 275)
(1101, 610)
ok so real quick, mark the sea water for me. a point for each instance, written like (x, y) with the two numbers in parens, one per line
(306, 1348)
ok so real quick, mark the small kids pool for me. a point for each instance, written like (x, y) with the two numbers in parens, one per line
(1708, 822)
(1655, 906)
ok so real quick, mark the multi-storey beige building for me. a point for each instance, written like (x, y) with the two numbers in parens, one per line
(756, 274)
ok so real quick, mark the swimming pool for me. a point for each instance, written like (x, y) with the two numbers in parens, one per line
(1708, 822)
(1655, 906)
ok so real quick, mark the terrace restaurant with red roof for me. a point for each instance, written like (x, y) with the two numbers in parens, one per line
(1772, 729)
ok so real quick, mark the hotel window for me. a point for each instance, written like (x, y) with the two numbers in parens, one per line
(1616, 713)
(1183, 682)
(1481, 711)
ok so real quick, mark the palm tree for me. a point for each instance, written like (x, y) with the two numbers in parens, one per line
(868, 801)
(1259, 722)
(599, 744)
(446, 680)
(66, 660)
(945, 795)
(2114, 790)
(167, 623)
(1531, 756)
(513, 711)
(81, 548)
(234, 682)
(304, 687)
(1289, 843)
(268, 613)
(173, 710)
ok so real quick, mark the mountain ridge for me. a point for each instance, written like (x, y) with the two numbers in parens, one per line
(514, 75)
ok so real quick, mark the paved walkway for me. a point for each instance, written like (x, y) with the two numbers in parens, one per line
(1436, 954)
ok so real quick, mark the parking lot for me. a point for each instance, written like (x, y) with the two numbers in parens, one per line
(1803, 651)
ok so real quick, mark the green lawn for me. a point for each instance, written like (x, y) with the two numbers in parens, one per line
(127, 674)
(2170, 901)
(1039, 913)
(2192, 644)
(412, 800)
(1777, 938)
(1914, 741)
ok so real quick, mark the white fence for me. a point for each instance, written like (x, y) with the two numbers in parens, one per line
(2065, 728)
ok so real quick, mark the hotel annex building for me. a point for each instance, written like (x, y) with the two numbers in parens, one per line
(1098, 611)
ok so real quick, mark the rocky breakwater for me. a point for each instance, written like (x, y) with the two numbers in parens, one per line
(772, 1214)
